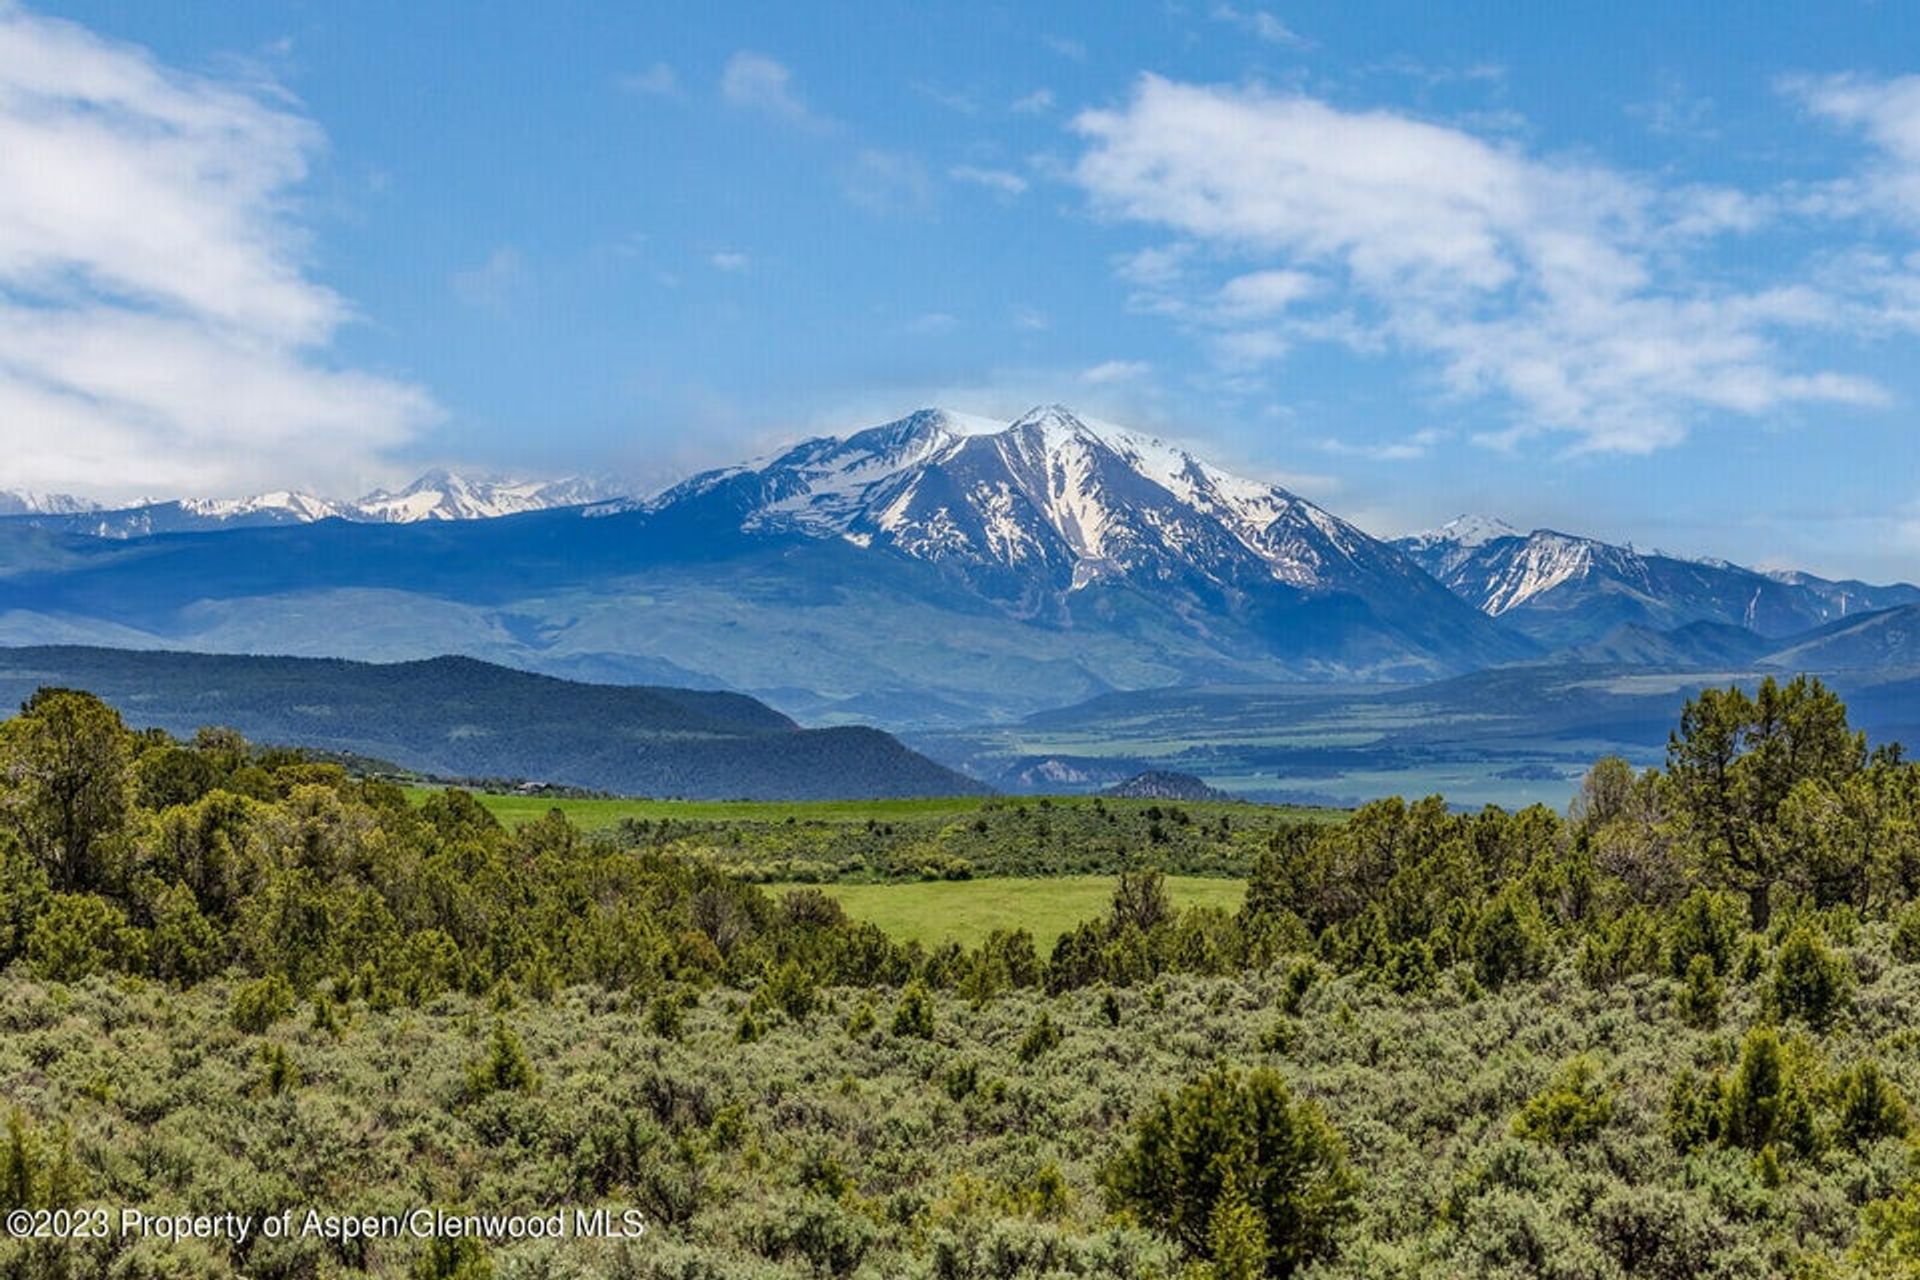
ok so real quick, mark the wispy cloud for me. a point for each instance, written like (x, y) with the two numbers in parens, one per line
(491, 284)
(958, 101)
(1409, 448)
(1112, 371)
(732, 262)
(755, 82)
(1260, 295)
(932, 322)
(1004, 181)
(1887, 114)
(1675, 112)
(1029, 318)
(658, 81)
(1260, 24)
(159, 325)
(887, 182)
(1558, 287)
(1039, 102)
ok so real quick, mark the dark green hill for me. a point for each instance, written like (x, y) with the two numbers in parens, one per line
(1697, 644)
(1886, 640)
(463, 718)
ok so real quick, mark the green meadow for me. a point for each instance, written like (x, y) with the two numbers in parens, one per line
(598, 814)
(966, 911)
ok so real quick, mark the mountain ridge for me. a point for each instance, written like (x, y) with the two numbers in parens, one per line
(457, 716)
(1051, 506)
(1566, 589)
(935, 570)
(438, 494)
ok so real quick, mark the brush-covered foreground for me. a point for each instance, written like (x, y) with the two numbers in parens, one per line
(1666, 1034)
(980, 1151)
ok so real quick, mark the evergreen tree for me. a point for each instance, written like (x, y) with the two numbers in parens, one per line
(1229, 1143)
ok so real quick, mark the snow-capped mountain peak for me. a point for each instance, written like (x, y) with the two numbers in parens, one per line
(437, 495)
(1563, 589)
(1069, 521)
(1548, 559)
(447, 495)
(1466, 531)
(1051, 496)
(302, 507)
(19, 502)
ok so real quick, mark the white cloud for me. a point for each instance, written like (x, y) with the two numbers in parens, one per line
(159, 329)
(1001, 180)
(1159, 267)
(755, 82)
(1259, 24)
(1547, 284)
(657, 81)
(1112, 371)
(731, 262)
(1409, 448)
(1261, 294)
(1887, 112)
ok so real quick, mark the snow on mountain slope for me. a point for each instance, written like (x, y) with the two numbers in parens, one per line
(1545, 560)
(18, 502)
(1563, 589)
(1440, 551)
(1050, 490)
(444, 495)
(437, 495)
(188, 515)
(299, 507)
(1464, 531)
(1048, 516)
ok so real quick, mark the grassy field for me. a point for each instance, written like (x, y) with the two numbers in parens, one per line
(595, 814)
(966, 911)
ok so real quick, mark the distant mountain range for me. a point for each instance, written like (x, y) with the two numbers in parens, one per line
(938, 570)
(1561, 589)
(437, 495)
(16, 502)
(455, 717)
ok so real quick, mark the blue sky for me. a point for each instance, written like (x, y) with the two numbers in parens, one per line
(1629, 271)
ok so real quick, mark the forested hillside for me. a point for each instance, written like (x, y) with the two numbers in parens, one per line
(458, 717)
(1666, 1034)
